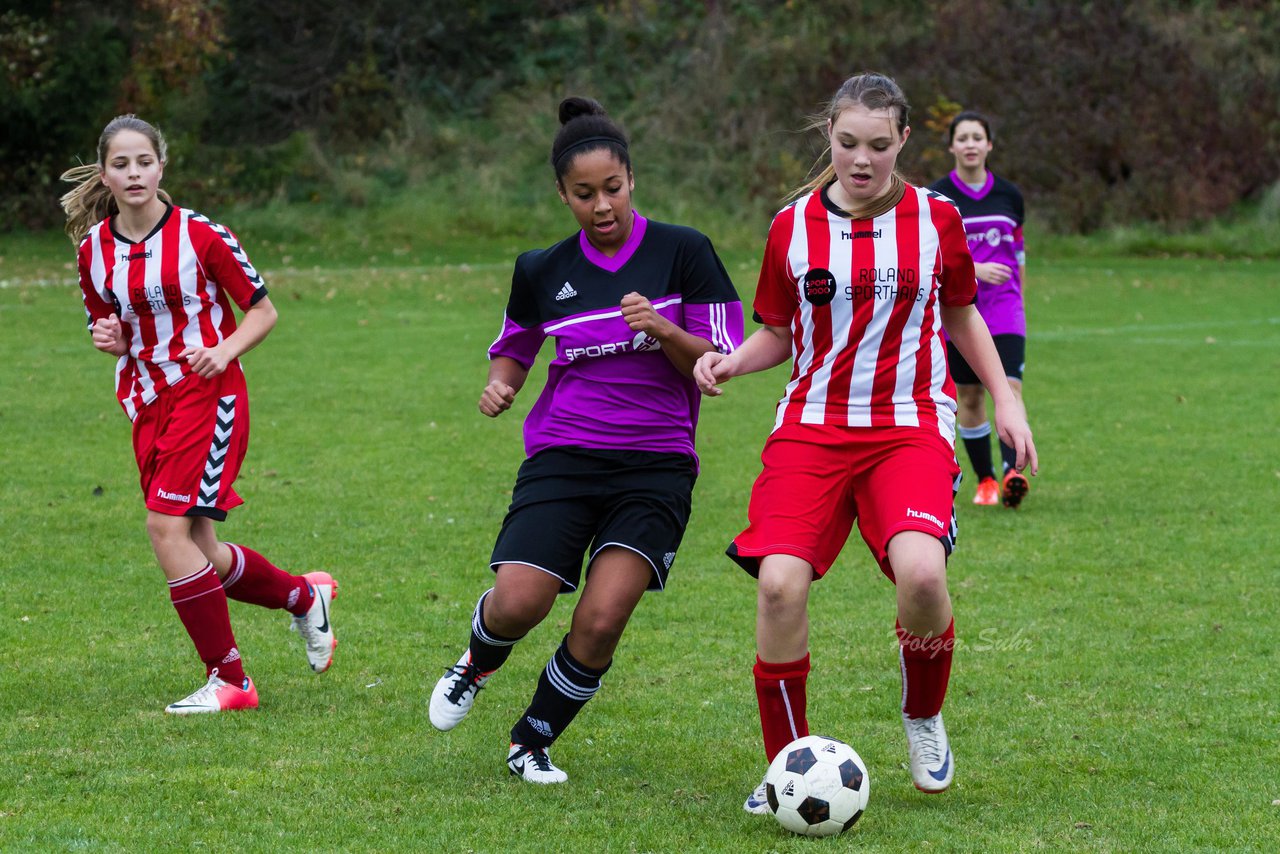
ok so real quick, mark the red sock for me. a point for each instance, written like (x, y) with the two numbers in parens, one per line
(780, 691)
(201, 604)
(926, 670)
(255, 580)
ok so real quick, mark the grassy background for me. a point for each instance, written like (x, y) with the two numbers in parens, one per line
(1114, 689)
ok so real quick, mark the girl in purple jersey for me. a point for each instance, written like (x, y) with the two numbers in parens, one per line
(631, 304)
(993, 214)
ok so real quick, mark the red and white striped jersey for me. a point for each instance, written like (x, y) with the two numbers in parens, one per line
(171, 291)
(861, 298)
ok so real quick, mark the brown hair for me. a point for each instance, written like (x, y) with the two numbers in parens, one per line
(875, 92)
(969, 116)
(90, 201)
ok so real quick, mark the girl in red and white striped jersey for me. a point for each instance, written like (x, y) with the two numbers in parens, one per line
(158, 283)
(860, 274)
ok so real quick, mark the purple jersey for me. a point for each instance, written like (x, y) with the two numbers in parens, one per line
(610, 387)
(993, 216)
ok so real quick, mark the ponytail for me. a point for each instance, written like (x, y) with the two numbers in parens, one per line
(88, 202)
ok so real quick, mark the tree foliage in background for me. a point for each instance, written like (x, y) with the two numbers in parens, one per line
(1106, 112)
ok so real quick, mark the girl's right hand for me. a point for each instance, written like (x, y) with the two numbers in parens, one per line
(496, 398)
(108, 336)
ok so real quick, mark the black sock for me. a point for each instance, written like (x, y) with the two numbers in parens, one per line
(977, 441)
(1008, 456)
(488, 650)
(563, 689)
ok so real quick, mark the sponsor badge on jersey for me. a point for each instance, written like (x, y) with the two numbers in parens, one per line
(819, 286)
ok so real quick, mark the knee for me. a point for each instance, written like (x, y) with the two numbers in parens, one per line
(971, 400)
(165, 530)
(514, 616)
(778, 599)
(600, 631)
(923, 585)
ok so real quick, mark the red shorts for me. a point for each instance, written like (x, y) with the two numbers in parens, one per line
(818, 480)
(189, 443)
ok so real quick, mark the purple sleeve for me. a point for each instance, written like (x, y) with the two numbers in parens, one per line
(516, 342)
(712, 309)
(718, 322)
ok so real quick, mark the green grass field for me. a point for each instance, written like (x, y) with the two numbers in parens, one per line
(1114, 689)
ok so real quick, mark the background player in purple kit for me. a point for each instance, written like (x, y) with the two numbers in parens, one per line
(631, 303)
(993, 215)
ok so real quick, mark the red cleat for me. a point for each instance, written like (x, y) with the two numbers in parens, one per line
(988, 493)
(1014, 489)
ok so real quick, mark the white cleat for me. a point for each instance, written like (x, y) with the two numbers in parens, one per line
(217, 696)
(314, 626)
(532, 765)
(757, 802)
(932, 768)
(455, 693)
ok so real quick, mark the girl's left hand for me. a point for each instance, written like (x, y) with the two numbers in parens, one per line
(208, 362)
(993, 272)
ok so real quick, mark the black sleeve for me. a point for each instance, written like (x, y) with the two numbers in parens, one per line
(705, 280)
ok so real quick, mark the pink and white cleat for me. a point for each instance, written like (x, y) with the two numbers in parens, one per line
(217, 696)
(314, 626)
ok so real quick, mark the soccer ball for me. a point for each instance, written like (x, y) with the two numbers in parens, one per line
(817, 786)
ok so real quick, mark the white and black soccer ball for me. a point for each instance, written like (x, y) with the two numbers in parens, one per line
(817, 786)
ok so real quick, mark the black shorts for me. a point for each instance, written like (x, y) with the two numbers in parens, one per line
(1013, 355)
(568, 502)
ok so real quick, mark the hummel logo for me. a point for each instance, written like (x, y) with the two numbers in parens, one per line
(789, 789)
(567, 292)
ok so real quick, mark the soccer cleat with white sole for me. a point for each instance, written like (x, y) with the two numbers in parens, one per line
(455, 693)
(217, 696)
(757, 803)
(532, 765)
(932, 766)
(315, 626)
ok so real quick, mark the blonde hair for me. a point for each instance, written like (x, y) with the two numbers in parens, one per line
(90, 201)
(875, 92)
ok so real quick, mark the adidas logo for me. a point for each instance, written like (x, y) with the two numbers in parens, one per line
(828, 747)
(789, 789)
(567, 292)
(542, 727)
(668, 558)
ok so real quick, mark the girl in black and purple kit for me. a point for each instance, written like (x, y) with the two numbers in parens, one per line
(631, 304)
(993, 215)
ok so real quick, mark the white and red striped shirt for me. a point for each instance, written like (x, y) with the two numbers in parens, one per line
(861, 298)
(171, 291)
